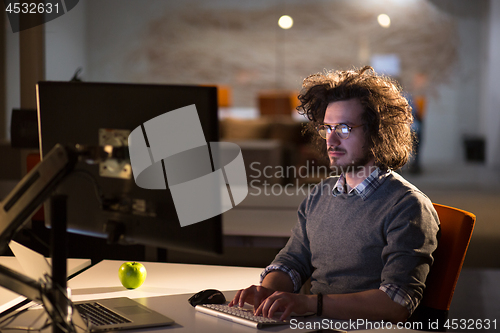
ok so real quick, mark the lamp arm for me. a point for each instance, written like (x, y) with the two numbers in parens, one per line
(32, 191)
(21, 284)
(21, 204)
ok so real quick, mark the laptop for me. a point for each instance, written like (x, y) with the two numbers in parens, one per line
(33, 263)
(96, 315)
(118, 313)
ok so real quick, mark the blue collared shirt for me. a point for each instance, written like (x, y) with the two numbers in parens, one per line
(365, 188)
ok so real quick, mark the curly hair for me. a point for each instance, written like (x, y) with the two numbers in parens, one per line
(387, 116)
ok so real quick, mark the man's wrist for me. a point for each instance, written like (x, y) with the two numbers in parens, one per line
(311, 304)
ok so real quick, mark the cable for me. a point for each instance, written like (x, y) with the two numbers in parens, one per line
(97, 188)
(51, 305)
(57, 314)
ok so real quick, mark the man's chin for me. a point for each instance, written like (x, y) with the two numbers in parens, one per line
(336, 171)
(337, 168)
(353, 166)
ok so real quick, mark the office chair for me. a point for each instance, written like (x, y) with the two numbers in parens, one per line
(456, 231)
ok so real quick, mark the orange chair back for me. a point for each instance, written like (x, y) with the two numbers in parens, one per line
(456, 232)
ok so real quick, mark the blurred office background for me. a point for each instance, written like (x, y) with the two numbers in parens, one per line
(445, 53)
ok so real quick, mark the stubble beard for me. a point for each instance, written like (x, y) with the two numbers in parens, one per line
(355, 165)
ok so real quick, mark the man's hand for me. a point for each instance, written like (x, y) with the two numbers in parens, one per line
(253, 295)
(275, 280)
(287, 303)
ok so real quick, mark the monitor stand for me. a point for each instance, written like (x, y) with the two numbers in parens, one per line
(58, 248)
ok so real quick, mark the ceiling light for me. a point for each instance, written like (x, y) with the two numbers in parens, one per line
(285, 22)
(384, 20)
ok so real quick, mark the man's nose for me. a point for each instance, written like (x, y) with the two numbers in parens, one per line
(333, 139)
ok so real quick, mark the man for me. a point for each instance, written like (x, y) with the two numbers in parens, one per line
(366, 238)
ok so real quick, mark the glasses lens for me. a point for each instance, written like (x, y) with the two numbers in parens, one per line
(323, 131)
(342, 131)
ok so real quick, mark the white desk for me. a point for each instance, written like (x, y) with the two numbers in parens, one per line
(166, 290)
(101, 280)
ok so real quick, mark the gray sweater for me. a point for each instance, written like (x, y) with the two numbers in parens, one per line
(347, 244)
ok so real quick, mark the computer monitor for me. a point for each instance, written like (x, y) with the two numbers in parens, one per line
(71, 113)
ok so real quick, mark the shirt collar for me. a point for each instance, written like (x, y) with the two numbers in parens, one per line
(363, 189)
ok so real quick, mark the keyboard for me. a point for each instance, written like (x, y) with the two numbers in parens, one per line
(238, 315)
(99, 315)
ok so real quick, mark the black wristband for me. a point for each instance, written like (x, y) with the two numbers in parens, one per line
(319, 310)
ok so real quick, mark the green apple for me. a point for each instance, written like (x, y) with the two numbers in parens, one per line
(132, 274)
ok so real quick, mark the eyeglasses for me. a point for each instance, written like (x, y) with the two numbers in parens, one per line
(342, 130)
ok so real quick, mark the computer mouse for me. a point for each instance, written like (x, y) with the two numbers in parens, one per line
(208, 296)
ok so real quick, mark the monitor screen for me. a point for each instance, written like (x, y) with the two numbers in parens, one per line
(105, 206)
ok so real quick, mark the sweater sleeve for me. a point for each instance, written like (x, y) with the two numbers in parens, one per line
(296, 254)
(412, 228)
